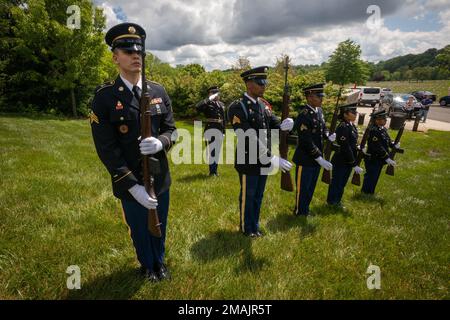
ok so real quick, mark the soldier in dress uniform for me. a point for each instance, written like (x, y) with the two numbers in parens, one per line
(344, 158)
(214, 111)
(252, 120)
(378, 144)
(115, 123)
(311, 129)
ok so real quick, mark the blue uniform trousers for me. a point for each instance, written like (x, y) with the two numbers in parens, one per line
(339, 178)
(214, 155)
(373, 171)
(250, 199)
(149, 250)
(306, 180)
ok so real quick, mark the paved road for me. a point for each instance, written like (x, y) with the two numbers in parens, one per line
(439, 113)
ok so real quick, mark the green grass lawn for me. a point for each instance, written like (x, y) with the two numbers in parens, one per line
(57, 210)
(438, 87)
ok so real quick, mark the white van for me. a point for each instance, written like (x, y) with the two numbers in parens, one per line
(369, 95)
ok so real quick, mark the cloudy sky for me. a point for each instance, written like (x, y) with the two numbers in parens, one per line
(215, 33)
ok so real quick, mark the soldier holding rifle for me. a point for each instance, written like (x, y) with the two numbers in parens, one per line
(139, 169)
(311, 129)
(378, 144)
(252, 120)
(344, 158)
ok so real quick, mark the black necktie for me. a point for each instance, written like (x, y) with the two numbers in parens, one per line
(137, 92)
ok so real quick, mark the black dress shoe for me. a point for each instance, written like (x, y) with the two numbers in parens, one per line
(163, 273)
(250, 234)
(142, 271)
(152, 276)
(298, 214)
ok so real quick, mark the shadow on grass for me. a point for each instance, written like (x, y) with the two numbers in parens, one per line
(192, 178)
(368, 198)
(283, 223)
(223, 244)
(327, 210)
(122, 284)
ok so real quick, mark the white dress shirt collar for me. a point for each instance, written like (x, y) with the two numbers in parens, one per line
(130, 85)
(313, 109)
(250, 98)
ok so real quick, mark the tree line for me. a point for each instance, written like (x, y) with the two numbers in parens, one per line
(48, 67)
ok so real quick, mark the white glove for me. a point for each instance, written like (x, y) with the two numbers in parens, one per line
(213, 96)
(391, 162)
(141, 196)
(358, 170)
(324, 163)
(287, 124)
(150, 146)
(281, 163)
(332, 137)
(397, 146)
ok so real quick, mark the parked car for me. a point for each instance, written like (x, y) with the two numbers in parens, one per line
(369, 95)
(398, 102)
(444, 101)
(420, 95)
(385, 91)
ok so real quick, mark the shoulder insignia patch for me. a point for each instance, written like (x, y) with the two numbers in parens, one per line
(236, 120)
(93, 118)
(105, 85)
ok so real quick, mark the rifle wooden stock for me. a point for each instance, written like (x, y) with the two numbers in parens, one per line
(390, 170)
(356, 179)
(326, 175)
(286, 180)
(153, 224)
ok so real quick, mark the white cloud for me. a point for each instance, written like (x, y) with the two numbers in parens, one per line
(111, 18)
(208, 33)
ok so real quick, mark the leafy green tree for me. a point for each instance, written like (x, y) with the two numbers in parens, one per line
(59, 66)
(345, 65)
(193, 69)
(443, 60)
(242, 64)
(77, 52)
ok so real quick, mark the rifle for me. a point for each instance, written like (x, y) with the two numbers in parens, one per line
(390, 169)
(356, 180)
(150, 165)
(326, 176)
(286, 181)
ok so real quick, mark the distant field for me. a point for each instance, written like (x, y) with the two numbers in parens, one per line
(439, 87)
(57, 210)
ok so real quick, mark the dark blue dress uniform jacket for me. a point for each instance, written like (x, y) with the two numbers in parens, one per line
(378, 145)
(311, 131)
(256, 116)
(213, 110)
(115, 123)
(346, 139)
